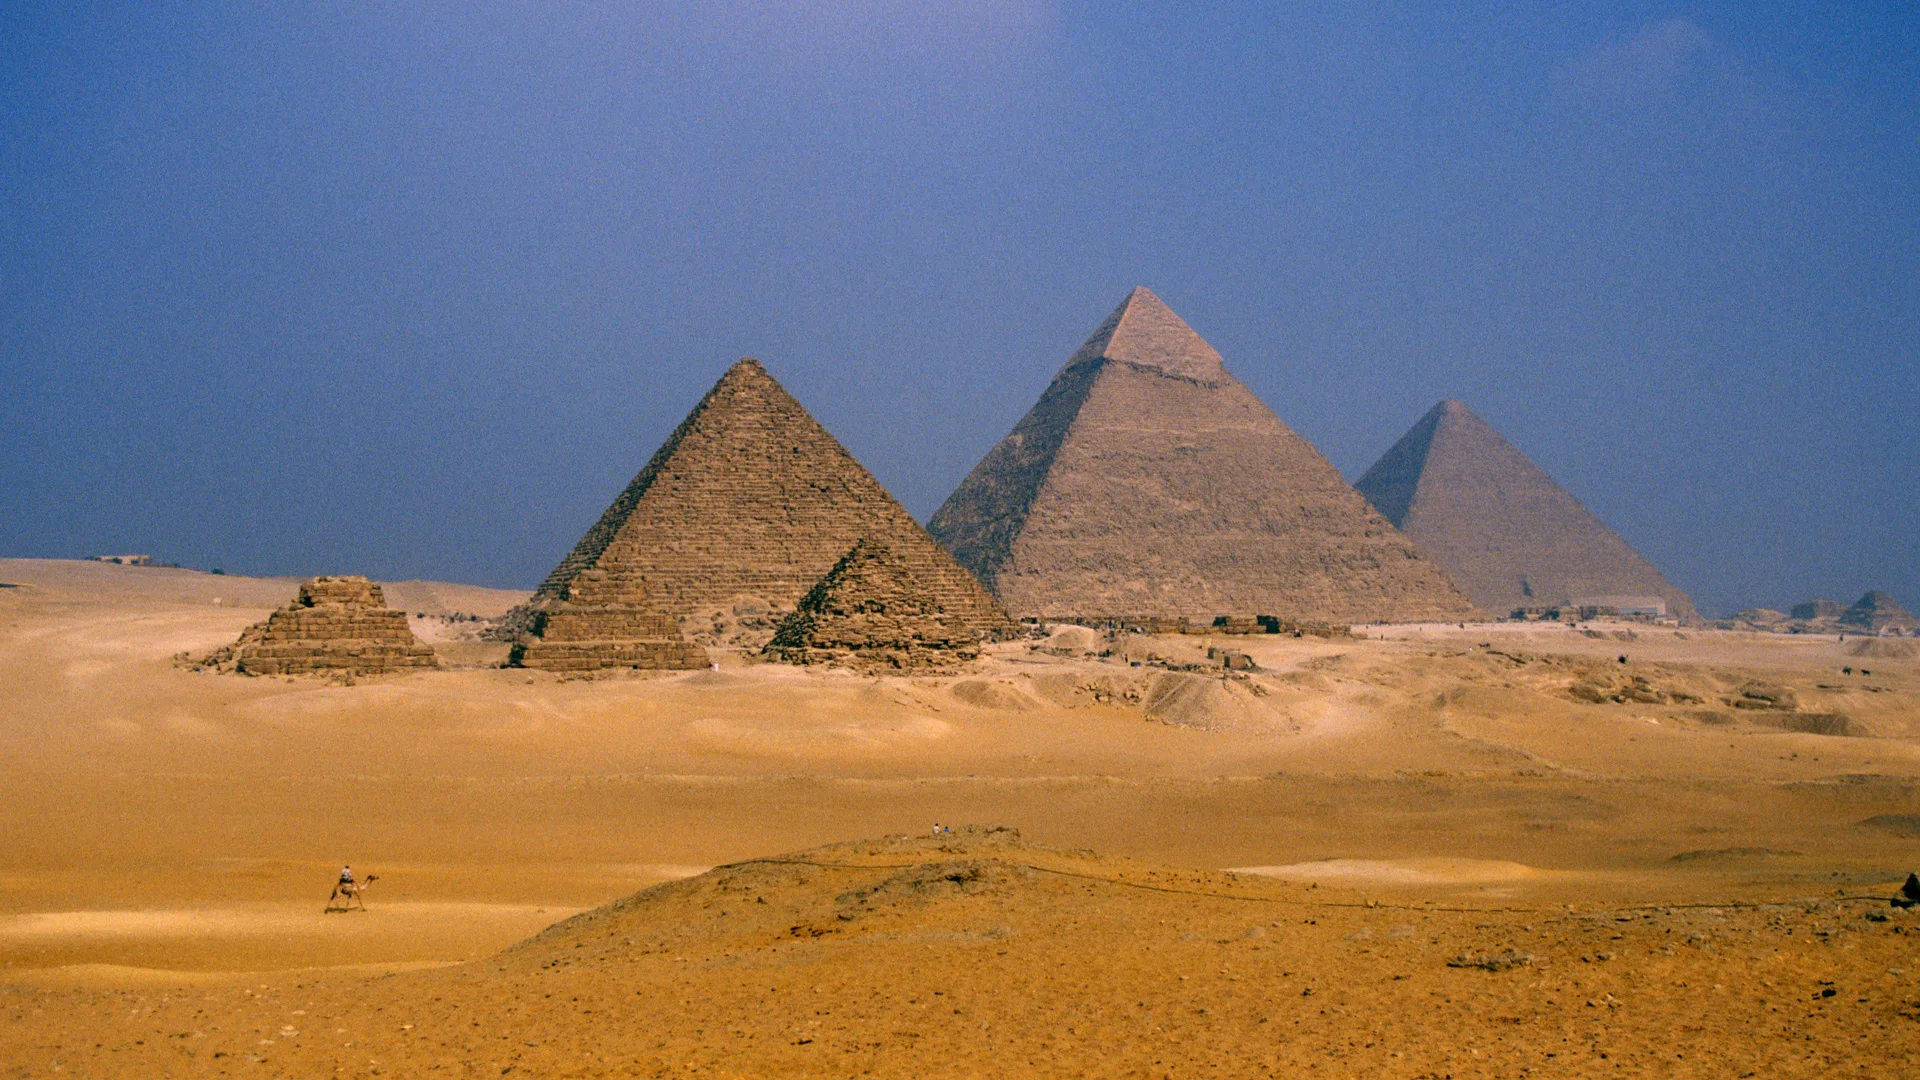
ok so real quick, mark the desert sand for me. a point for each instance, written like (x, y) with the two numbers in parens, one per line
(1672, 866)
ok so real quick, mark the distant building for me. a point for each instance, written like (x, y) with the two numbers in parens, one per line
(125, 560)
(1818, 609)
(1645, 607)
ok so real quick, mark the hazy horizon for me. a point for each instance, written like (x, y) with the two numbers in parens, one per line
(414, 292)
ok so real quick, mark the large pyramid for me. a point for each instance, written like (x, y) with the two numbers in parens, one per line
(872, 612)
(1508, 535)
(1149, 481)
(751, 497)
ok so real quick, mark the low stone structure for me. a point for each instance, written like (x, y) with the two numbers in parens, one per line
(337, 624)
(1816, 610)
(874, 612)
(604, 618)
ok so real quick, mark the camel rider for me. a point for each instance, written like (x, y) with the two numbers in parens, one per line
(346, 877)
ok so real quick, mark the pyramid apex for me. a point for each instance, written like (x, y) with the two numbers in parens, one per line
(1144, 332)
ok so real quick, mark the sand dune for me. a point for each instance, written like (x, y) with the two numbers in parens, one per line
(167, 828)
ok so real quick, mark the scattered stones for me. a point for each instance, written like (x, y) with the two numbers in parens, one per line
(1501, 961)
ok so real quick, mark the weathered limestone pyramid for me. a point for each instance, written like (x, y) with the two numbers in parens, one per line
(1877, 611)
(337, 624)
(1148, 481)
(604, 618)
(1508, 535)
(872, 611)
(750, 496)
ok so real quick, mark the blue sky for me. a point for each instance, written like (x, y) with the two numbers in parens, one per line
(412, 289)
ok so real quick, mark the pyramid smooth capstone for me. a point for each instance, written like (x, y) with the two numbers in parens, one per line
(604, 618)
(873, 611)
(336, 624)
(1506, 533)
(750, 496)
(1148, 481)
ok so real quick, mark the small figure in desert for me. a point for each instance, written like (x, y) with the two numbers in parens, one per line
(348, 892)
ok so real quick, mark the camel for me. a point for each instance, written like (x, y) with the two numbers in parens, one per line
(348, 893)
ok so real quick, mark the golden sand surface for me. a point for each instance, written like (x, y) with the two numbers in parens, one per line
(1346, 819)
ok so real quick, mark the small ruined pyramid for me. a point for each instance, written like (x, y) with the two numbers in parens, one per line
(1818, 610)
(604, 618)
(336, 624)
(1877, 611)
(751, 497)
(872, 611)
(1148, 481)
(1508, 535)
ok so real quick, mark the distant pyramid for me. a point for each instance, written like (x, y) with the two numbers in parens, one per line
(1818, 609)
(604, 618)
(1877, 611)
(872, 611)
(1505, 532)
(335, 624)
(1148, 481)
(751, 497)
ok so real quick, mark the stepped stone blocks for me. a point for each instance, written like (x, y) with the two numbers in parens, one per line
(604, 618)
(750, 496)
(1510, 537)
(873, 611)
(1877, 611)
(1148, 480)
(337, 624)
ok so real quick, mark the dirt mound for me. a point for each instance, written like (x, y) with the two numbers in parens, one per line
(1200, 701)
(1884, 649)
(1075, 641)
(973, 953)
(1903, 825)
(982, 694)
